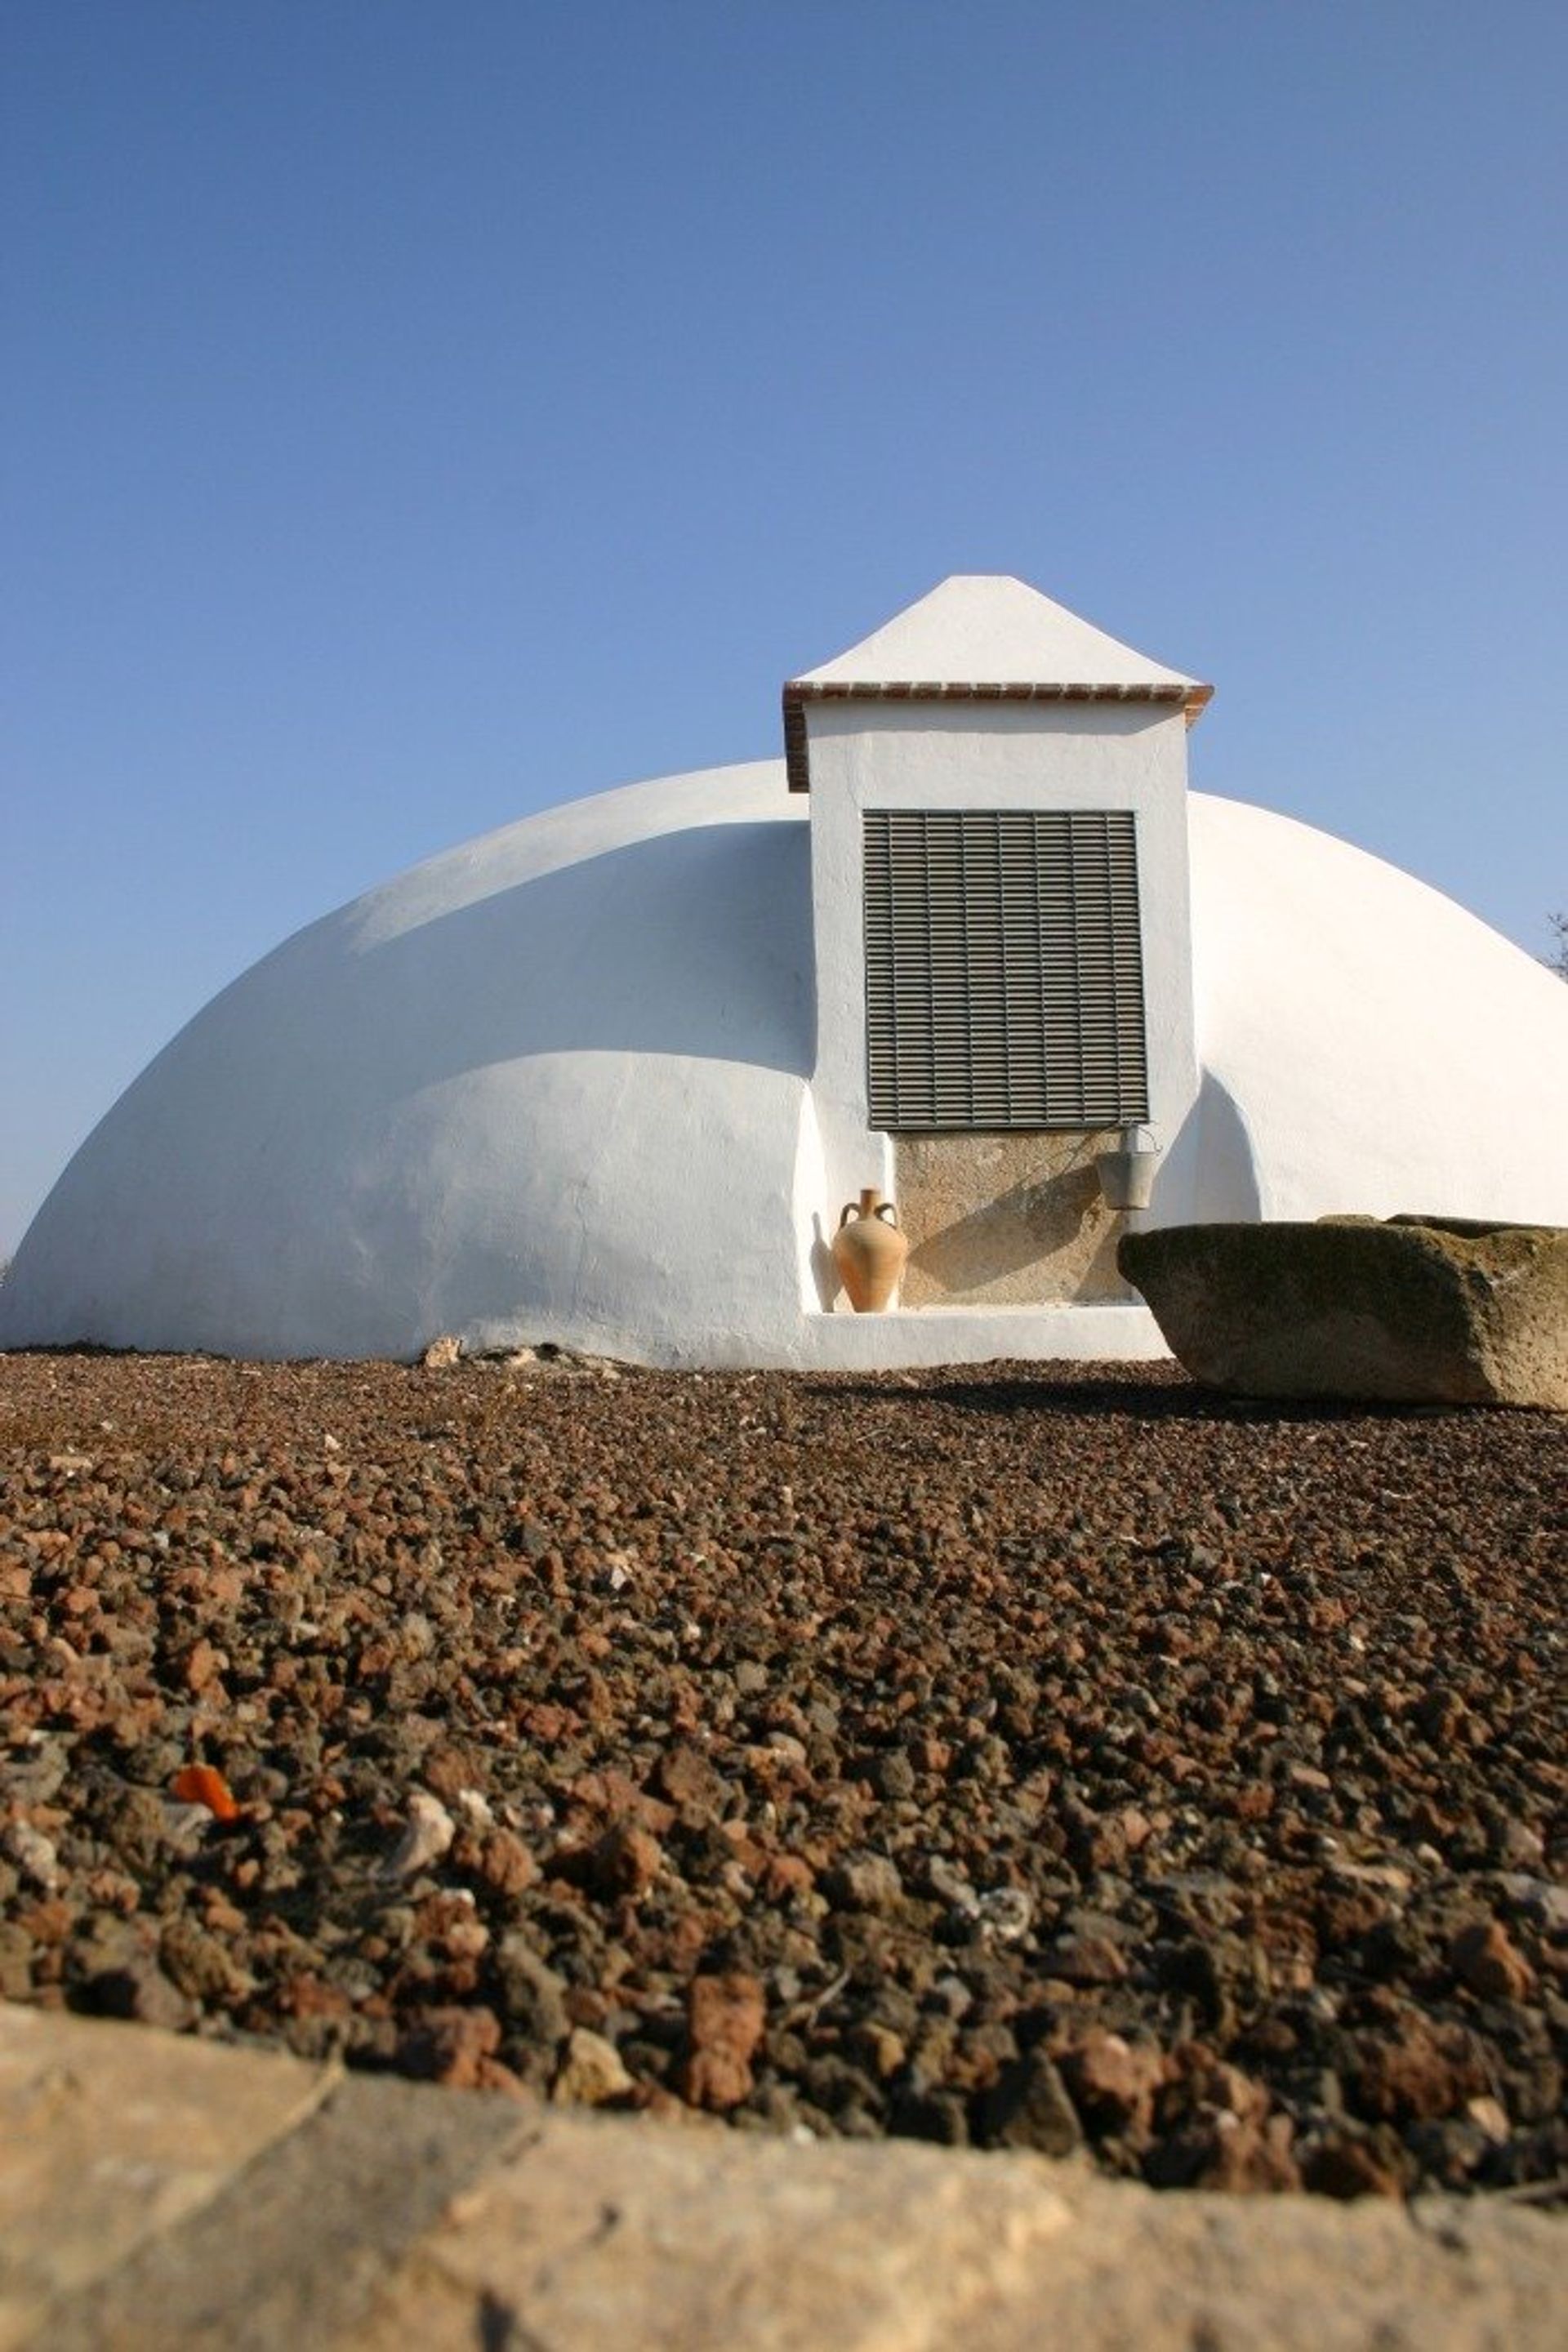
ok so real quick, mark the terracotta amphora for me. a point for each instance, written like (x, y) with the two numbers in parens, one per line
(869, 1252)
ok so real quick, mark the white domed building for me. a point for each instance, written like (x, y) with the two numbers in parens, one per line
(606, 1077)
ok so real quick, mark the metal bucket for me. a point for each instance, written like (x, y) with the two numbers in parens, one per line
(1127, 1175)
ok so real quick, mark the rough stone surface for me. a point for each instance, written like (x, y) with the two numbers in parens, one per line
(109, 2140)
(1412, 1310)
(658, 2242)
(288, 2256)
(1006, 1220)
(314, 2209)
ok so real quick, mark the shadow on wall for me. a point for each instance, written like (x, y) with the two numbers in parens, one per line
(1208, 1174)
(824, 1266)
(692, 943)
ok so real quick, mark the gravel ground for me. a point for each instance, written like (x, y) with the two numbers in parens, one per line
(1038, 1759)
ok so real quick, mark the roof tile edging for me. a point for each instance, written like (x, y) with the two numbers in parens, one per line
(798, 692)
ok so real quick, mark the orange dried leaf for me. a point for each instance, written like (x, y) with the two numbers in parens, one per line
(200, 1784)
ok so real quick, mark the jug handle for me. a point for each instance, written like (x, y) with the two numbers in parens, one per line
(887, 1211)
(851, 1209)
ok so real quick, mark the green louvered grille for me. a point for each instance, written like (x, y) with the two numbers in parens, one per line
(1004, 969)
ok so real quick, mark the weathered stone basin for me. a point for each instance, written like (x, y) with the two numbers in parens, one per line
(1412, 1310)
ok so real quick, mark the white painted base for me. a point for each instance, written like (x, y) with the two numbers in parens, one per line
(905, 1340)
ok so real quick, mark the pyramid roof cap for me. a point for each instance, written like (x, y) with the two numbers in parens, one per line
(984, 637)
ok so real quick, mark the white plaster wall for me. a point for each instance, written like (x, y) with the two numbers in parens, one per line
(554, 1084)
(1372, 1047)
(988, 755)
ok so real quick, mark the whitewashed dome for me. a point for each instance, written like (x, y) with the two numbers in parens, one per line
(1378, 1047)
(556, 1085)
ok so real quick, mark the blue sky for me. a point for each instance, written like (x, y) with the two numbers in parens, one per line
(413, 414)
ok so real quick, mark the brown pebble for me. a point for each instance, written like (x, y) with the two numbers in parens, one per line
(591, 2072)
(1112, 2081)
(624, 1861)
(450, 2045)
(1483, 1958)
(724, 2018)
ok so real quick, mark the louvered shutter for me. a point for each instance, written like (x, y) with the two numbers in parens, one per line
(1004, 969)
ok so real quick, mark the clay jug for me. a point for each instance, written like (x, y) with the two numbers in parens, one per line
(869, 1252)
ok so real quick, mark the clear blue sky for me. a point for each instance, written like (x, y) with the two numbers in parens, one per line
(414, 411)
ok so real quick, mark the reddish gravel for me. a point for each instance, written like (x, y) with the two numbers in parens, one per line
(1059, 1759)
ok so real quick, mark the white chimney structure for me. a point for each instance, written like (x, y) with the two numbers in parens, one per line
(1003, 939)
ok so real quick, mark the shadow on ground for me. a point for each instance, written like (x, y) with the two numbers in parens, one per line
(1167, 1397)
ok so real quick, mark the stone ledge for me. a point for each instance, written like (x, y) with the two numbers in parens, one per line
(911, 1337)
(161, 2191)
(1405, 1310)
(111, 2139)
(653, 2239)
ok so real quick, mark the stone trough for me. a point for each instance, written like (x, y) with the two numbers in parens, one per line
(1409, 1310)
